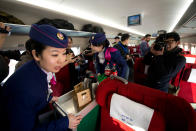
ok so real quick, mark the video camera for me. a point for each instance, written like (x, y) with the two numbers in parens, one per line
(82, 56)
(160, 42)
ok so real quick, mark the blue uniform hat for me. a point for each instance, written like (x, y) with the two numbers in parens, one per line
(48, 35)
(97, 39)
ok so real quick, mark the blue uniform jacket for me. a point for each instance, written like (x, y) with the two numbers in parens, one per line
(24, 95)
(117, 59)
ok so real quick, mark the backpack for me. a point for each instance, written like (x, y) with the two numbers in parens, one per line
(98, 29)
(7, 18)
(62, 24)
(58, 23)
(87, 28)
(91, 28)
(108, 53)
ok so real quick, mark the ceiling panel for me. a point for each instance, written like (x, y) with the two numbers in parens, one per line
(156, 14)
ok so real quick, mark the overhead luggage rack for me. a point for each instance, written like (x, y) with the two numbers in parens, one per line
(17, 29)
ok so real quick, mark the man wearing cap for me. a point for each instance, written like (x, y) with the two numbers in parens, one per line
(105, 54)
(27, 92)
(117, 39)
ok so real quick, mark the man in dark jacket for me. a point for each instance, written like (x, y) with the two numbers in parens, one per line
(124, 51)
(144, 46)
(164, 63)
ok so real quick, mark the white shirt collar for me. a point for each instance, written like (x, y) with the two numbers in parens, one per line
(49, 75)
(101, 56)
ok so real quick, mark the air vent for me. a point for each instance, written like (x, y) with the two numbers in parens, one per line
(191, 23)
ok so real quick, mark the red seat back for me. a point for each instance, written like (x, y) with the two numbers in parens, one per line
(170, 112)
(188, 89)
(139, 67)
(62, 82)
(190, 58)
(131, 49)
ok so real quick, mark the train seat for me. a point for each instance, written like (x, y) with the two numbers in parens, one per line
(62, 82)
(188, 83)
(139, 71)
(190, 58)
(169, 112)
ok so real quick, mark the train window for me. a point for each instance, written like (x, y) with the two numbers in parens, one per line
(186, 48)
(181, 46)
(193, 50)
(76, 50)
(12, 65)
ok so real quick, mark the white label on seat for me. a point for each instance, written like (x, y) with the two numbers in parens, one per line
(192, 77)
(190, 59)
(133, 114)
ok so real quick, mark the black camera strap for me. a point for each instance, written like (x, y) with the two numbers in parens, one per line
(181, 74)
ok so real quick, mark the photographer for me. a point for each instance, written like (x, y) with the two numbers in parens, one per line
(165, 61)
(4, 68)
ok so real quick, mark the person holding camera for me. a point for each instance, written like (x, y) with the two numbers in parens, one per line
(117, 39)
(4, 68)
(164, 61)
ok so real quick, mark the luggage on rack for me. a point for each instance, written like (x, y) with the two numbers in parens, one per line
(58, 23)
(8, 18)
(91, 28)
(87, 28)
(98, 29)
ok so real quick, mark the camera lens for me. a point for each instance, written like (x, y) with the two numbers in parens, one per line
(159, 46)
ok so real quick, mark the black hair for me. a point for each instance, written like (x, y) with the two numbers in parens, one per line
(37, 46)
(125, 37)
(117, 37)
(147, 35)
(106, 43)
(69, 37)
(173, 35)
(28, 45)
